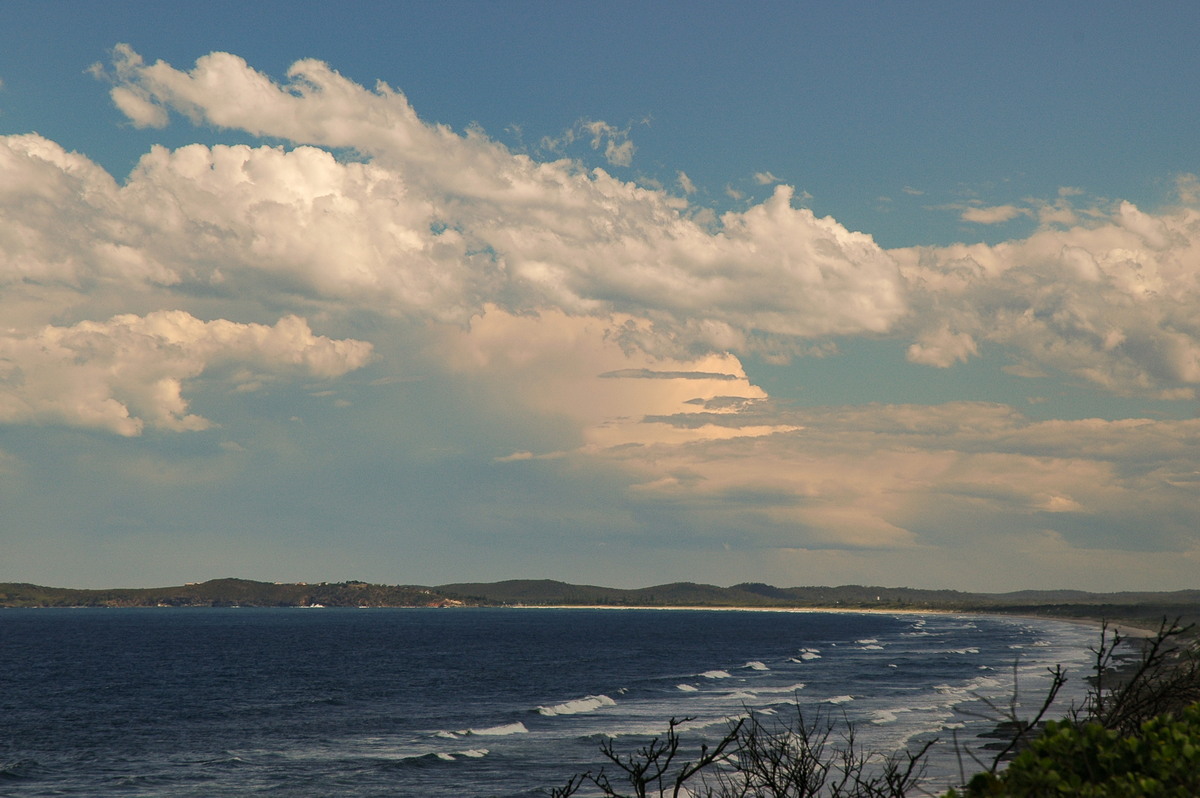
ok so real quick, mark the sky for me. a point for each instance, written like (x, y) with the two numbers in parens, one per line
(904, 294)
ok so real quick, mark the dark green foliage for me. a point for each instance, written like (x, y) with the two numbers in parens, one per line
(226, 593)
(1138, 736)
(1161, 759)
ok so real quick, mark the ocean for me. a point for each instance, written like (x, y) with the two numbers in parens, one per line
(474, 702)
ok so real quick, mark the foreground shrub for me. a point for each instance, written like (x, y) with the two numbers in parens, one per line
(1162, 759)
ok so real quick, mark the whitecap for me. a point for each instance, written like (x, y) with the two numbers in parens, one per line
(839, 699)
(769, 690)
(872, 647)
(866, 641)
(755, 665)
(446, 757)
(736, 695)
(501, 731)
(716, 675)
(586, 704)
(447, 735)
(475, 753)
(687, 688)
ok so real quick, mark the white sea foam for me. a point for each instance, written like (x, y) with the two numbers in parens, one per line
(839, 699)
(716, 675)
(586, 704)
(657, 728)
(736, 695)
(872, 647)
(501, 731)
(755, 665)
(447, 735)
(687, 688)
(472, 753)
(866, 641)
(981, 685)
(775, 690)
(961, 651)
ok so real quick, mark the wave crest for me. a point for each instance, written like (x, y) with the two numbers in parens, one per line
(579, 705)
(500, 731)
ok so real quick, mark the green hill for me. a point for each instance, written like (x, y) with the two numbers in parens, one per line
(226, 593)
(1140, 608)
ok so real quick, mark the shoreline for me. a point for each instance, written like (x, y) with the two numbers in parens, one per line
(1097, 620)
(1124, 630)
(733, 608)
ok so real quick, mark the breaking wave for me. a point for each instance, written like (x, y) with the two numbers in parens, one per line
(499, 731)
(586, 704)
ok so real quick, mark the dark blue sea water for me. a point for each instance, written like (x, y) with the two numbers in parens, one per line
(465, 702)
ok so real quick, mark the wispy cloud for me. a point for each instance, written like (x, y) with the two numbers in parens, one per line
(650, 374)
(996, 214)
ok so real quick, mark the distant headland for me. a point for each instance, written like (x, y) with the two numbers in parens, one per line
(1125, 607)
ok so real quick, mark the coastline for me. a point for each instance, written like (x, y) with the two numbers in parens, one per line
(703, 608)
(1124, 630)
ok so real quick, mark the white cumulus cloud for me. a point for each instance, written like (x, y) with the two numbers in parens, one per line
(995, 214)
(437, 224)
(1115, 302)
(128, 372)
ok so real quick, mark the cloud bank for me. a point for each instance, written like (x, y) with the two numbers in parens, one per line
(618, 314)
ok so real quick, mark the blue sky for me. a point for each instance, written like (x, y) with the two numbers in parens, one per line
(902, 294)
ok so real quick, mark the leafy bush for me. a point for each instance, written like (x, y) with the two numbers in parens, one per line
(1161, 760)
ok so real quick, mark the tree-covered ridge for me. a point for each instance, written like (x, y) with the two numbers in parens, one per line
(1144, 608)
(228, 593)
